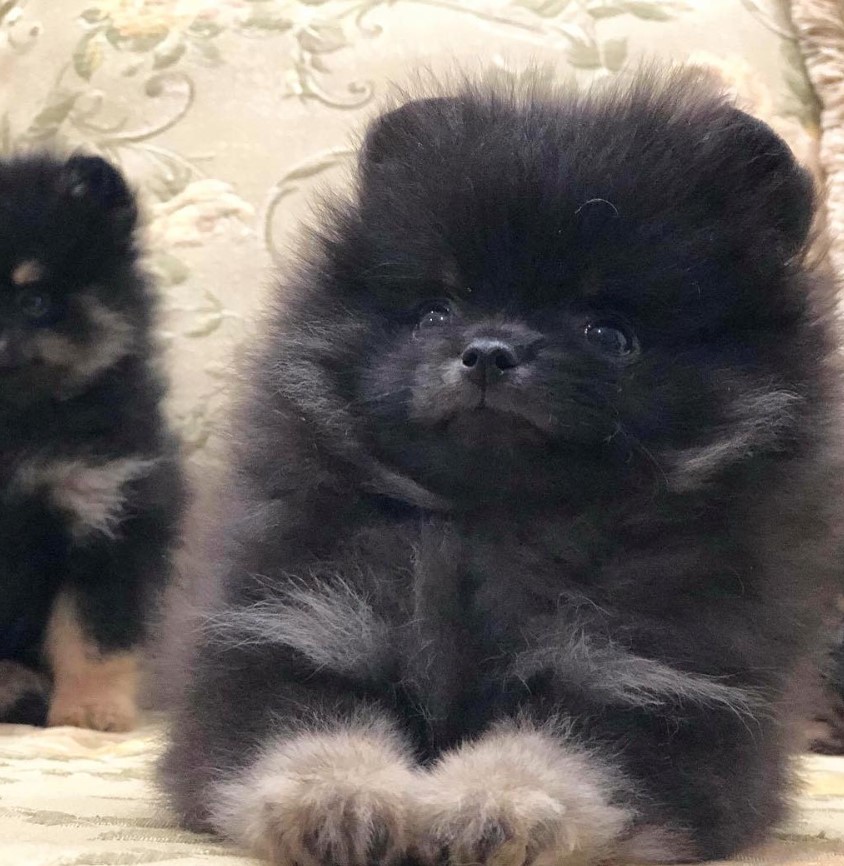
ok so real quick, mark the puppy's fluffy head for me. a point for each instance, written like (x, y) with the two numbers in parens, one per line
(70, 300)
(547, 292)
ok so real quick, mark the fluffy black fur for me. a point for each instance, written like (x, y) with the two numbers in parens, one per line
(542, 429)
(826, 717)
(90, 480)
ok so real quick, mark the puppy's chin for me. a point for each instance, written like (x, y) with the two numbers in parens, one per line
(485, 427)
(498, 415)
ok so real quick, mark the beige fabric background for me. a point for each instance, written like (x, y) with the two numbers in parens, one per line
(228, 115)
(820, 29)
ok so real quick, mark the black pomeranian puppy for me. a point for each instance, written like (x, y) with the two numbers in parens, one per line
(530, 522)
(90, 484)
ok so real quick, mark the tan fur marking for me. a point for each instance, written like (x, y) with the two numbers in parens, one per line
(520, 795)
(335, 797)
(114, 340)
(93, 494)
(91, 690)
(57, 350)
(27, 272)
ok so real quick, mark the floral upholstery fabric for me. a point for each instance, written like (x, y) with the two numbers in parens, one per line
(820, 30)
(228, 116)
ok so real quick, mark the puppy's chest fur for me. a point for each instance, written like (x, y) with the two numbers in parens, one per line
(487, 594)
(501, 573)
(478, 588)
(51, 503)
(486, 574)
(88, 492)
(76, 460)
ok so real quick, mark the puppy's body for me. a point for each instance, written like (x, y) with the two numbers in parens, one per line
(90, 487)
(529, 532)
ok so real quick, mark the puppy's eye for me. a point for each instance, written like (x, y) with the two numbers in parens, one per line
(35, 305)
(434, 314)
(612, 338)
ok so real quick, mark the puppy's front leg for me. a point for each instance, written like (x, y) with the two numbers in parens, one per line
(92, 687)
(123, 517)
(521, 794)
(288, 740)
(339, 795)
(677, 767)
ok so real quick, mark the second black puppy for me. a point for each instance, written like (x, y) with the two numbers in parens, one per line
(528, 540)
(90, 484)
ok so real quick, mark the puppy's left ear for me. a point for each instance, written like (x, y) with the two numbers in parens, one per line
(772, 170)
(101, 188)
(396, 134)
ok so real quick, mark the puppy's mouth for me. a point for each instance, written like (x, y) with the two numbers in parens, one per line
(481, 407)
(494, 418)
(487, 422)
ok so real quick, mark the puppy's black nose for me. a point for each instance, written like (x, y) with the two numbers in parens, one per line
(486, 360)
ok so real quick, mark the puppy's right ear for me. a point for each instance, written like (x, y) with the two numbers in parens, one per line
(770, 169)
(397, 134)
(100, 188)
